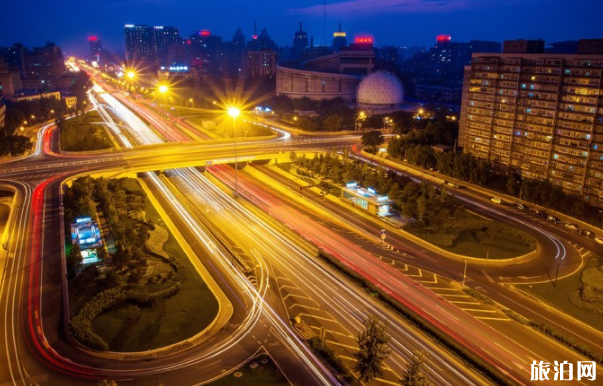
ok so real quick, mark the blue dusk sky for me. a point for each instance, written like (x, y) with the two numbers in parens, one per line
(391, 22)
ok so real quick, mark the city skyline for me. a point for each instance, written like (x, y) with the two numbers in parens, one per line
(394, 22)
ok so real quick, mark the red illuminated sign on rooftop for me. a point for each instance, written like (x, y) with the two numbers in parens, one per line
(93, 38)
(363, 40)
(443, 38)
(205, 33)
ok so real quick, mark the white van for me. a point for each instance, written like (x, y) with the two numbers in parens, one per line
(496, 200)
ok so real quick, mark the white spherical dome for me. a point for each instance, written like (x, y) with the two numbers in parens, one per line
(380, 90)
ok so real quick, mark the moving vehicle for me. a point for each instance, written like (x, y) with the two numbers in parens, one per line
(586, 232)
(496, 200)
(553, 220)
(541, 213)
(573, 227)
(521, 206)
(599, 240)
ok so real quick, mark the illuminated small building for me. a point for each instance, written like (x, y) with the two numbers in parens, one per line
(86, 233)
(367, 199)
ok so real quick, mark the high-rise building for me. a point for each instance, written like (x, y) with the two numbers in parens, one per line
(386, 54)
(13, 57)
(538, 115)
(96, 47)
(10, 80)
(141, 48)
(261, 63)
(166, 39)
(339, 39)
(237, 50)
(261, 42)
(300, 43)
(151, 46)
(43, 62)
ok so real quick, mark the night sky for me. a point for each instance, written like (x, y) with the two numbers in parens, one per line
(392, 22)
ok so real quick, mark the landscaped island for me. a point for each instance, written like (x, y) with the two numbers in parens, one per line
(432, 213)
(138, 290)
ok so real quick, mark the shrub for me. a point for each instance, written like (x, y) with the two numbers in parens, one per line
(592, 277)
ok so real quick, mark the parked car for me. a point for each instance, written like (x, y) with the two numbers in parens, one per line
(599, 240)
(496, 200)
(521, 206)
(452, 184)
(572, 227)
(586, 232)
(553, 220)
(541, 213)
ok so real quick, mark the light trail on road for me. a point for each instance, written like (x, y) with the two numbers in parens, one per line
(443, 315)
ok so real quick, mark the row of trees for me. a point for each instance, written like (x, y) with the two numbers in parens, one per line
(373, 350)
(81, 134)
(415, 147)
(419, 201)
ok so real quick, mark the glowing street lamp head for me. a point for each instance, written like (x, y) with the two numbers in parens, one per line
(234, 112)
(163, 89)
(131, 75)
(421, 111)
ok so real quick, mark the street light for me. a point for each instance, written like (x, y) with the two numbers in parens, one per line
(130, 74)
(361, 117)
(163, 89)
(234, 113)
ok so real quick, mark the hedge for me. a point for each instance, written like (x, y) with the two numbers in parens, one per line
(81, 325)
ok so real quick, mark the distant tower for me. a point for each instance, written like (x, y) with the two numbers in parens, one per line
(96, 47)
(300, 43)
(339, 39)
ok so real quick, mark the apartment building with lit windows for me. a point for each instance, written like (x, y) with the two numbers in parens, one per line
(538, 115)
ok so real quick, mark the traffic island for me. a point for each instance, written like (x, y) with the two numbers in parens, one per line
(144, 295)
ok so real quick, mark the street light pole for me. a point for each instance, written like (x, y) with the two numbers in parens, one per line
(465, 272)
(234, 113)
(163, 90)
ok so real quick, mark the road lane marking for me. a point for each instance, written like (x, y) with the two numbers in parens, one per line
(487, 318)
(521, 359)
(449, 314)
(304, 306)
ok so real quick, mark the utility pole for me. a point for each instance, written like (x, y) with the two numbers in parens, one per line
(465, 272)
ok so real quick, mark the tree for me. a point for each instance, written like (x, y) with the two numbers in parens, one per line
(372, 138)
(421, 207)
(332, 123)
(416, 375)
(372, 349)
